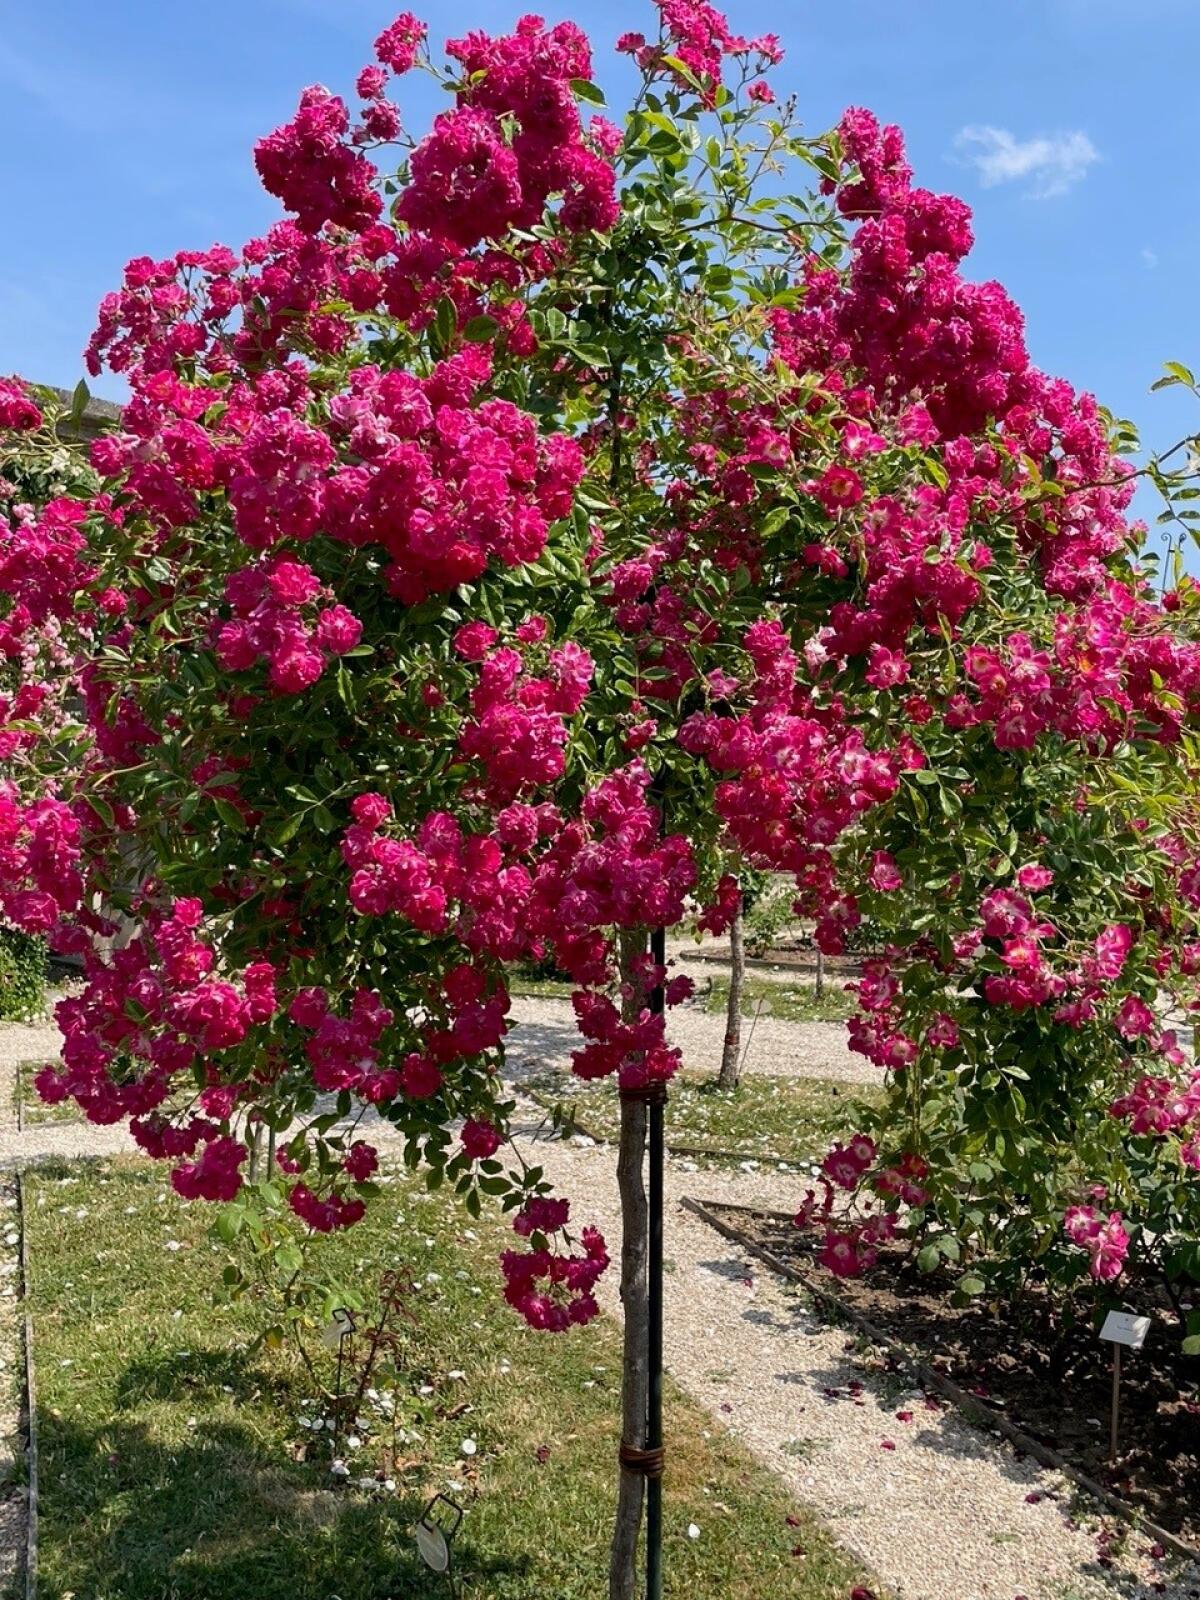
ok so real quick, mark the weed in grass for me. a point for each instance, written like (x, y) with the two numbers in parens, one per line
(804, 1449)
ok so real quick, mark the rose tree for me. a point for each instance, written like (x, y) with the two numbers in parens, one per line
(546, 519)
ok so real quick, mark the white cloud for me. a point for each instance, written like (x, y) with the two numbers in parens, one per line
(1047, 163)
(1149, 257)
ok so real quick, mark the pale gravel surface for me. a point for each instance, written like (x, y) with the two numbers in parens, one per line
(943, 1516)
(546, 1035)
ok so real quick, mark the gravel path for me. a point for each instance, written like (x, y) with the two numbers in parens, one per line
(545, 1036)
(944, 1514)
(12, 1388)
(46, 1140)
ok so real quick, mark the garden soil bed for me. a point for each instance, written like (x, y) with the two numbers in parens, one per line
(1058, 1394)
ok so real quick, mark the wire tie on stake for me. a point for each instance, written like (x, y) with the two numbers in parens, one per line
(650, 1463)
(647, 1094)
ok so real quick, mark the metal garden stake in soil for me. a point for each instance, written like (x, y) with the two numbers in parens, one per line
(643, 1417)
(763, 1008)
(646, 1459)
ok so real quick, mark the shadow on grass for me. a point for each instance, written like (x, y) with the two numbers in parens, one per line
(174, 1374)
(221, 1516)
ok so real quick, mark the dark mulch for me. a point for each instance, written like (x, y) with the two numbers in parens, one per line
(1042, 1365)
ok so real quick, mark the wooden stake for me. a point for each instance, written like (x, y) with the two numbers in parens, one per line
(1116, 1402)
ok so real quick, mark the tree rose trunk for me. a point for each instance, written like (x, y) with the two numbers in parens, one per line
(733, 1018)
(635, 1371)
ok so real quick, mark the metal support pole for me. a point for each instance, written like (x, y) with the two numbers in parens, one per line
(654, 1285)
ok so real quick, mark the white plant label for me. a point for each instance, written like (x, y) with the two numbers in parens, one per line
(340, 1324)
(1122, 1327)
(431, 1543)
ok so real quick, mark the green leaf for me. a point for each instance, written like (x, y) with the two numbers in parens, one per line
(583, 90)
(230, 816)
(288, 829)
(229, 1224)
(444, 322)
(289, 1259)
(480, 329)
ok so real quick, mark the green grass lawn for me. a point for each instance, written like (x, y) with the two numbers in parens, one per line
(540, 988)
(792, 1120)
(175, 1464)
(789, 1002)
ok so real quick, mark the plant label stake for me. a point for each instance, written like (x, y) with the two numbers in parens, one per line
(1121, 1328)
(338, 1329)
(340, 1326)
(434, 1533)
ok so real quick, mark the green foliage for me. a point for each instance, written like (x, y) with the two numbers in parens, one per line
(22, 976)
(767, 901)
(865, 937)
(1014, 1121)
(51, 460)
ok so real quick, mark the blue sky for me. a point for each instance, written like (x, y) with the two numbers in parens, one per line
(1070, 126)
